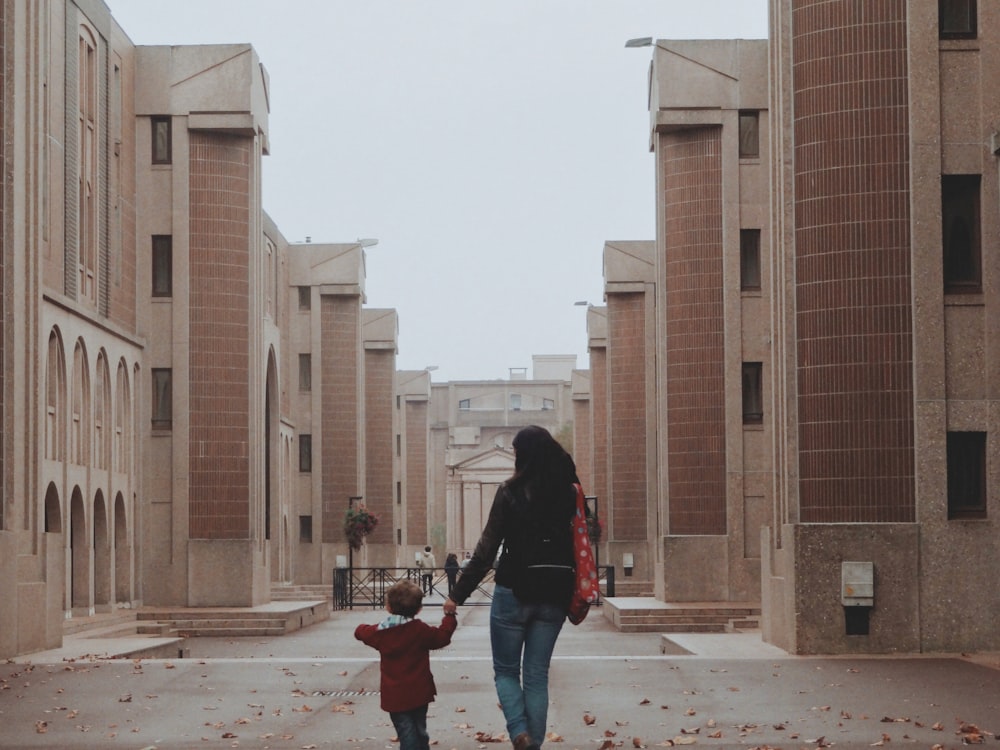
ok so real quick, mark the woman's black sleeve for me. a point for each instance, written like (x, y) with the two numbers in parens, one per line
(486, 549)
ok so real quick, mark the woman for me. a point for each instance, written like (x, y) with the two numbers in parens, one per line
(451, 569)
(524, 626)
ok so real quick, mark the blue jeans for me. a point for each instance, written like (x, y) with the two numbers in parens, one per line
(411, 728)
(523, 637)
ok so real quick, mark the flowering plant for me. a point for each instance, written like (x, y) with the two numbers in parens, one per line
(359, 523)
(595, 528)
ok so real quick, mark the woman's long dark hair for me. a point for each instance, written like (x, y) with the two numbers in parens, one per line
(543, 472)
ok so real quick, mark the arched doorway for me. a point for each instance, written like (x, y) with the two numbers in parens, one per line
(102, 556)
(79, 556)
(123, 554)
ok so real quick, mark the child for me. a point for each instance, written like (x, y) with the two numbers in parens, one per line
(407, 684)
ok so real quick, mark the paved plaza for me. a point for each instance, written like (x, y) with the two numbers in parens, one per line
(317, 688)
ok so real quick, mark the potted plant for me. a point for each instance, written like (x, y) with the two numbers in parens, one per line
(359, 523)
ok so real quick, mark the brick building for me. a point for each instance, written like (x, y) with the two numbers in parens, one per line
(189, 402)
(825, 379)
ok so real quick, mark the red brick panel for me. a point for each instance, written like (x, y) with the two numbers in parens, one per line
(219, 338)
(627, 414)
(122, 307)
(696, 459)
(854, 317)
(583, 444)
(416, 437)
(599, 415)
(6, 246)
(380, 365)
(340, 324)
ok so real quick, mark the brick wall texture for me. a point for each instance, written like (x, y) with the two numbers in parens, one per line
(5, 247)
(583, 444)
(416, 436)
(340, 325)
(219, 339)
(854, 316)
(691, 164)
(379, 443)
(599, 416)
(627, 415)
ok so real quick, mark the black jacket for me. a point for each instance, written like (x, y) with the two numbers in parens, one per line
(499, 526)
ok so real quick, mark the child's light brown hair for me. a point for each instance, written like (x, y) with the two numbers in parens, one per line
(404, 598)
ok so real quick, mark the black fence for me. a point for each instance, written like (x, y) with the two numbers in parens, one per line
(366, 587)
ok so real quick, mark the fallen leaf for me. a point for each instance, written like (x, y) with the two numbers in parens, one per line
(644, 702)
(690, 712)
(636, 742)
(41, 727)
(716, 735)
(589, 720)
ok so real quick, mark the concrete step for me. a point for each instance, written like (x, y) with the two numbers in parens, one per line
(202, 631)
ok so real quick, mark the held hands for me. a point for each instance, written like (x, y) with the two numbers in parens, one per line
(449, 606)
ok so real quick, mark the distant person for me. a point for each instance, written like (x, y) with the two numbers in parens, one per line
(531, 513)
(466, 560)
(404, 643)
(427, 564)
(451, 570)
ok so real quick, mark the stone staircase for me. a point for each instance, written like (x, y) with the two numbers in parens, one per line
(274, 619)
(647, 615)
(297, 592)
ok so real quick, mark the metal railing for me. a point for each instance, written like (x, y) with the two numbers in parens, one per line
(366, 587)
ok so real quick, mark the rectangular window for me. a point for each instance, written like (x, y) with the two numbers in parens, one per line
(163, 407)
(753, 396)
(750, 259)
(966, 475)
(305, 298)
(960, 233)
(305, 372)
(161, 140)
(399, 445)
(399, 493)
(163, 265)
(957, 19)
(306, 529)
(515, 402)
(464, 404)
(399, 536)
(305, 453)
(749, 135)
(548, 404)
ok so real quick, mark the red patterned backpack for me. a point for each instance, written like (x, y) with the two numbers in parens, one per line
(585, 592)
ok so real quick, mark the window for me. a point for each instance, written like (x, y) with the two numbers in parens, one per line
(749, 135)
(966, 475)
(305, 529)
(464, 405)
(161, 140)
(305, 453)
(305, 298)
(399, 493)
(89, 156)
(960, 233)
(753, 400)
(750, 259)
(957, 19)
(305, 372)
(548, 404)
(162, 399)
(163, 265)
(515, 402)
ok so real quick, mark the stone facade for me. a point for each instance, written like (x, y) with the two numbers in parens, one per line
(824, 352)
(190, 403)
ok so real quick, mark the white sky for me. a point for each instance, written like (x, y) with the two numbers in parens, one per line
(492, 147)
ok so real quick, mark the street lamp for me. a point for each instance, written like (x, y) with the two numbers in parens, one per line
(642, 41)
(367, 241)
(350, 548)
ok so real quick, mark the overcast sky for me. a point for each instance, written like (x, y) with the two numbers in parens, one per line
(491, 146)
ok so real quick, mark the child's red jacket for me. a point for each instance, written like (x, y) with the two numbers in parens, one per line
(407, 682)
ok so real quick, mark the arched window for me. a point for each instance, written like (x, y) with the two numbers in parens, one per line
(123, 421)
(102, 414)
(80, 414)
(55, 401)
